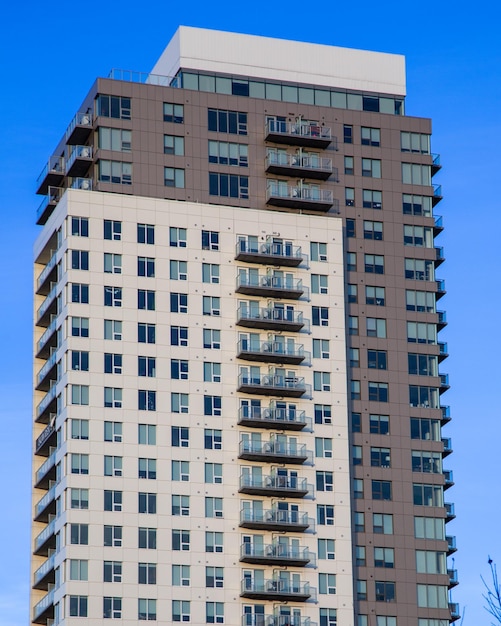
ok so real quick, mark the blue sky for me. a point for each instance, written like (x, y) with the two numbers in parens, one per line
(51, 54)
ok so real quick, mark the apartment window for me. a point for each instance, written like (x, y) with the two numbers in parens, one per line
(348, 165)
(349, 196)
(113, 330)
(356, 423)
(213, 541)
(360, 559)
(370, 136)
(318, 251)
(146, 400)
(112, 571)
(112, 536)
(385, 591)
(418, 143)
(416, 205)
(384, 557)
(147, 434)
(79, 499)
(378, 392)
(145, 300)
(113, 397)
(174, 177)
(432, 596)
(352, 292)
(112, 230)
(177, 237)
(375, 296)
(147, 503)
(382, 620)
(79, 260)
(347, 133)
(79, 326)
(79, 293)
(79, 361)
(372, 199)
(179, 369)
(146, 609)
(180, 436)
(228, 185)
(147, 538)
(325, 514)
(373, 264)
(212, 372)
(181, 575)
(358, 489)
(146, 333)
(112, 465)
(113, 106)
(173, 113)
(145, 266)
(179, 303)
(112, 263)
(146, 366)
(359, 522)
(326, 549)
(381, 490)
(213, 507)
(419, 269)
(327, 583)
(430, 562)
(379, 424)
(112, 608)
(232, 122)
(423, 364)
(319, 283)
(425, 429)
(371, 167)
(211, 305)
(116, 172)
(213, 473)
(325, 481)
(210, 273)
(376, 327)
(424, 397)
(350, 228)
(147, 468)
(174, 145)
(321, 381)
(373, 230)
(210, 240)
(113, 296)
(356, 455)
(355, 389)
(226, 153)
(427, 495)
(415, 174)
(79, 429)
(180, 611)
(321, 349)
(147, 573)
(112, 363)
(179, 402)
(113, 431)
(323, 414)
(361, 590)
(78, 569)
(79, 463)
(351, 261)
(116, 139)
(79, 394)
(79, 226)
(419, 236)
(429, 528)
(320, 315)
(78, 606)
(377, 359)
(180, 471)
(422, 301)
(79, 534)
(214, 577)
(112, 500)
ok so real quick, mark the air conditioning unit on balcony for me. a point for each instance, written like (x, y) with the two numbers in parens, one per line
(85, 154)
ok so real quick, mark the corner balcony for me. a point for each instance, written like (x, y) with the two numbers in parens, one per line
(440, 256)
(46, 540)
(446, 414)
(79, 129)
(272, 418)
(269, 286)
(437, 195)
(46, 473)
(453, 578)
(451, 544)
(300, 197)
(277, 319)
(454, 610)
(435, 164)
(444, 351)
(298, 134)
(45, 574)
(79, 161)
(438, 225)
(269, 253)
(48, 307)
(47, 504)
(276, 589)
(274, 451)
(271, 352)
(442, 320)
(272, 385)
(43, 611)
(48, 272)
(48, 340)
(47, 439)
(440, 289)
(54, 194)
(52, 174)
(449, 479)
(257, 619)
(447, 441)
(47, 404)
(444, 383)
(275, 554)
(276, 520)
(274, 485)
(450, 512)
(299, 165)
(82, 183)
(44, 375)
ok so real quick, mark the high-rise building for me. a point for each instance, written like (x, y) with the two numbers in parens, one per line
(237, 390)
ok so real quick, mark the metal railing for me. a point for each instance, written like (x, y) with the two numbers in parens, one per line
(55, 164)
(46, 465)
(281, 416)
(278, 348)
(285, 483)
(275, 249)
(49, 300)
(47, 334)
(298, 192)
(278, 551)
(47, 532)
(298, 129)
(275, 448)
(44, 603)
(277, 517)
(298, 161)
(271, 314)
(268, 281)
(275, 381)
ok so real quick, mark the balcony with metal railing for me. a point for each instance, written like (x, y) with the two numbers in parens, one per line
(48, 340)
(435, 163)
(48, 368)
(46, 539)
(276, 554)
(79, 161)
(438, 225)
(271, 352)
(85, 184)
(272, 417)
(299, 165)
(298, 133)
(451, 544)
(300, 196)
(440, 289)
(52, 174)
(277, 589)
(447, 441)
(43, 611)
(450, 512)
(440, 255)
(270, 252)
(442, 320)
(47, 504)
(270, 286)
(444, 351)
(48, 403)
(47, 275)
(47, 471)
(437, 195)
(272, 384)
(79, 129)
(276, 520)
(271, 318)
(257, 619)
(454, 611)
(45, 574)
(446, 414)
(288, 486)
(448, 478)
(49, 203)
(444, 383)
(274, 451)
(453, 578)
(47, 439)
(48, 307)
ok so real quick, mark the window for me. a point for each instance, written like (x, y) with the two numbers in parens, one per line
(147, 434)
(432, 596)
(147, 468)
(356, 454)
(371, 167)
(385, 591)
(419, 236)
(79, 293)
(79, 534)
(113, 106)
(112, 536)
(430, 562)
(179, 402)
(180, 539)
(376, 327)
(373, 230)
(210, 240)
(213, 541)
(112, 263)
(211, 305)
(325, 514)
(113, 296)
(327, 583)
(112, 363)
(79, 260)
(416, 205)
(349, 196)
(226, 153)
(424, 397)
(180, 611)
(381, 490)
(356, 423)
(113, 330)
(377, 359)
(79, 499)
(210, 273)
(79, 326)
(384, 557)
(212, 339)
(323, 414)
(79, 429)
(112, 608)
(147, 573)
(79, 394)
(214, 577)
(180, 505)
(147, 538)
(370, 136)
(352, 292)
(425, 429)
(113, 397)
(388, 621)
(423, 364)
(116, 139)
(112, 230)
(427, 495)
(350, 228)
(174, 177)
(146, 366)
(326, 549)
(145, 300)
(147, 503)
(232, 122)
(146, 400)
(360, 559)
(78, 606)
(112, 571)
(417, 143)
(372, 199)
(212, 372)
(319, 283)
(373, 264)
(378, 392)
(113, 431)
(80, 226)
(112, 500)
(146, 609)
(328, 617)
(348, 165)
(355, 389)
(174, 145)
(353, 325)
(324, 481)
(323, 447)
(422, 301)
(429, 528)
(179, 369)
(180, 471)
(321, 349)
(351, 261)
(228, 185)
(213, 473)
(318, 251)
(379, 424)
(361, 590)
(116, 172)
(375, 295)
(213, 507)
(347, 133)
(173, 113)
(178, 335)
(359, 522)
(79, 361)
(79, 569)
(181, 575)
(419, 269)
(145, 266)
(414, 174)
(320, 315)
(321, 381)
(177, 237)
(146, 333)
(180, 437)
(179, 302)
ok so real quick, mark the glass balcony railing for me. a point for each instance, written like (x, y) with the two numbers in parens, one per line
(47, 533)
(276, 519)
(47, 335)
(46, 500)
(46, 466)
(46, 435)
(47, 270)
(272, 384)
(51, 175)
(43, 606)
(301, 197)
(274, 451)
(299, 133)
(271, 351)
(450, 511)
(79, 129)
(273, 417)
(277, 589)
(280, 253)
(82, 183)
(47, 304)
(47, 400)
(291, 486)
(44, 570)
(308, 166)
(271, 318)
(54, 194)
(79, 161)
(454, 610)
(447, 441)
(269, 285)
(451, 544)
(276, 553)
(256, 619)
(46, 368)
(449, 478)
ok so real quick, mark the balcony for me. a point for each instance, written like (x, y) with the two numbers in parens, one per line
(46, 540)
(275, 485)
(300, 197)
(435, 164)
(272, 385)
(447, 441)
(444, 351)
(274, 451)
(451, 544)
(269, 286)
(47, 273)
(52, 175)
(275, 554)
(276, 520)
(79, 129)
(54, 194)
(272, 418)
(82, 183)
(449, 479)
(47, 439)
(444, 383)
(277, 319)
(256, 619)
(454, 610)
(45, 574)
(276, 589)
(438, 226)
(440, 289)
(446, 414)
(269, 253)
(48, 307)
(298, 134)
(48, 368)
(442, 320)
(79, 161)
(47, 471)
(299, 165)
(450, 512)
(271, 352)
(48, 340)
(47, 504)
(44, 610)
(437, 195)
(453, 578)
(47, 404)
(440, 258)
